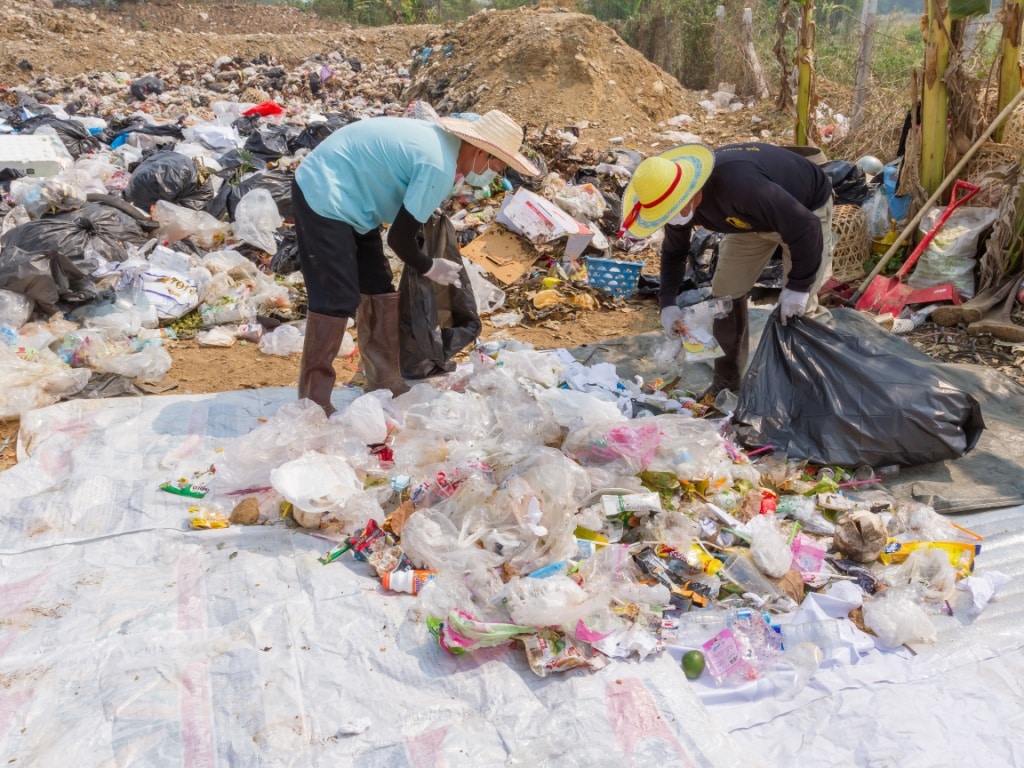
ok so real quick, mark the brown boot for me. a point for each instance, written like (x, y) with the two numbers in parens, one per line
(733, 335)
(377, 328)
(320, 346)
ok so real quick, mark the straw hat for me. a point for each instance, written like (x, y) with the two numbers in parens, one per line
(662, 186)
(497, 134)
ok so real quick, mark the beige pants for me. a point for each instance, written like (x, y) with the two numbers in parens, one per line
(742, 258)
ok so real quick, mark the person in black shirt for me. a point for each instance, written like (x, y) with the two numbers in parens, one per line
(761, 196)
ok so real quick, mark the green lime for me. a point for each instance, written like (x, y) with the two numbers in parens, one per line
(693, 664)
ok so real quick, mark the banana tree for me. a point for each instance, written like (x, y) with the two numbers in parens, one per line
(1009, 66)
(934, 96)
(805, 72)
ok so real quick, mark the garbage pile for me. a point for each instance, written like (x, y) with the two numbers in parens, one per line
(127, 222)
(529, 498)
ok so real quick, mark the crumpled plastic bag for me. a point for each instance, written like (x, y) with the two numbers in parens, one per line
(256, 220)
(315, 482)
(897, 618)
(28, 384)
(283, 341)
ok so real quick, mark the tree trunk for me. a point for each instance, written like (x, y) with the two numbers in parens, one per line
(863, 72)
(755, 75)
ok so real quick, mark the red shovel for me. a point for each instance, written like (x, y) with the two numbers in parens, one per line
(891, 294)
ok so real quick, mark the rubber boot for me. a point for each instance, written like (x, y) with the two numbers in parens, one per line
(320, 346)
(377, 328)
(732, 333)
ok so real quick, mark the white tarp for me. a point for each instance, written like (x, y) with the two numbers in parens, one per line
(128, 639)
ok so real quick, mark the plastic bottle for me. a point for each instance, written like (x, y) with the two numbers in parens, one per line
(407, 581)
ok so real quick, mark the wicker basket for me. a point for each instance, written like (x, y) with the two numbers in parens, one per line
(992, 168)
(852, 245)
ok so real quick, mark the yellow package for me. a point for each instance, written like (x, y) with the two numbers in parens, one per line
(202, 517)
(960, 553)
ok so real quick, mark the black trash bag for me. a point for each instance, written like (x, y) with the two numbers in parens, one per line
(839, 396)
(848, 182)
(314, 133)
(270, 142)
(169, 176)
(435, 321)
(123, 127)
(703, 258)
(286, 260)
(145, 86)
(246, 124)
(278, 182)
(236, 164)
(46, 259)
(74, 135)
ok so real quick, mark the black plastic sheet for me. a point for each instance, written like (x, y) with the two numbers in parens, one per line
(833, 396)
(435, 321)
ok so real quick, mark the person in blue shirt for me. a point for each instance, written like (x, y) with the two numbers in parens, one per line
(761, 196)
(382, 170)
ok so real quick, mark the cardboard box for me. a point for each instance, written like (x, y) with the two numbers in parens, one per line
(541, 221)
(35, 155)
(501, 253)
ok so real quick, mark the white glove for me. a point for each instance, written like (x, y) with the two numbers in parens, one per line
(792, 304)
(672, 321)
(444, 272)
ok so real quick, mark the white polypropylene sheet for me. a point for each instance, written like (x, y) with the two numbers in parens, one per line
(128, 639)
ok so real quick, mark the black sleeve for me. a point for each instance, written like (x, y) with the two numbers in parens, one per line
(675, 250)
(402, 239)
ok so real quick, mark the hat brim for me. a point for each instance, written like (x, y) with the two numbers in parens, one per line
(702, 160)
(466, 130)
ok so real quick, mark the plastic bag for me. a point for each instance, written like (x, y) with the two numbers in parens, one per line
(848, 182)
(282, 341)
(256, 220)
(952, 255)
(74, 135)
(840, 396)
(15, 309)
(42, 381)
(168, 176)
(48, 259)
(435, 321)
(178, 223)
(489, 297)
(896, 618)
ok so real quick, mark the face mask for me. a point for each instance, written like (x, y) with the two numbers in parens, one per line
(481, 180)
(679, 220)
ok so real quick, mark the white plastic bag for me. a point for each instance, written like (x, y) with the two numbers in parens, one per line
(177, 223)
(257, 218)
(952, 255)
(42, 381)
(282, 341)
(15, 309)
(489, 297)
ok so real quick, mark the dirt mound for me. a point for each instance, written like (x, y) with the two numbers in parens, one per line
(548, 68)
(138, 38)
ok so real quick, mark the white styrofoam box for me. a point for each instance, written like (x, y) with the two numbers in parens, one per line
(34, 155)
